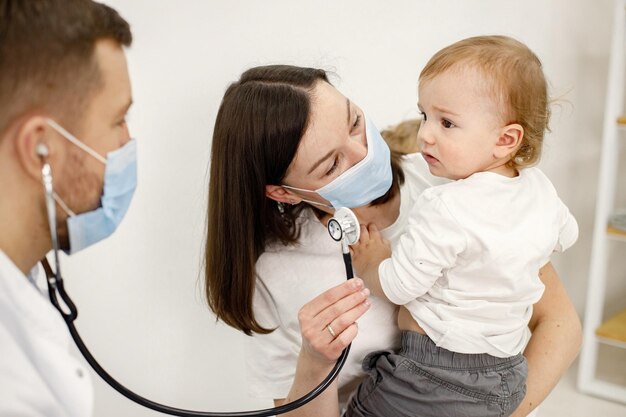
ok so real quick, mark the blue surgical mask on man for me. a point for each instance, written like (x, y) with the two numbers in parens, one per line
(120, 182)
(363, 183)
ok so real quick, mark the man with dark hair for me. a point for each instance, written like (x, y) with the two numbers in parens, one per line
(64, 95)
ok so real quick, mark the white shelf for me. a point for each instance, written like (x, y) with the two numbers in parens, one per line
(605, 390)
(611, 331)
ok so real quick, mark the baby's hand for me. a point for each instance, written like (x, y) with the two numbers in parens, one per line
(371, 250)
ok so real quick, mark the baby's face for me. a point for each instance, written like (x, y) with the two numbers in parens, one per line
(462, 123)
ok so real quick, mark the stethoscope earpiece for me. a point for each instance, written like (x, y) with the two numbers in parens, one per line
(42, 150)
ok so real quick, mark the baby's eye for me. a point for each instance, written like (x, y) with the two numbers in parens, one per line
(447, 123)
(423, 115)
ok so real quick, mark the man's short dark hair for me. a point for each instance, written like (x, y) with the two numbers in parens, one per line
(47, 55)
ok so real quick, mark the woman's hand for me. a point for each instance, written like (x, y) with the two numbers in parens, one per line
(328, 322)
(328, 326)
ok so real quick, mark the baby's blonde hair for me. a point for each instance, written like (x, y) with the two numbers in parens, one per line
(515, 77)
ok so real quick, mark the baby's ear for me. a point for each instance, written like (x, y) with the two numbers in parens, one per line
(509, 141)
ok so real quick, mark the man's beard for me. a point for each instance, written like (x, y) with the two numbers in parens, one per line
(80, 191)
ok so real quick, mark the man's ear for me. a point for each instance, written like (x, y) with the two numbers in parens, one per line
(509, 141)
(281, 194)
(32, 144)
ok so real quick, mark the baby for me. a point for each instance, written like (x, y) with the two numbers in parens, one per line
(467, 268)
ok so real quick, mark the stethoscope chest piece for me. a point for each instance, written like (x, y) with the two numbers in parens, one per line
(334, 229)
(344, 225)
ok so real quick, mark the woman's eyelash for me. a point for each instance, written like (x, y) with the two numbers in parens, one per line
(334, 167)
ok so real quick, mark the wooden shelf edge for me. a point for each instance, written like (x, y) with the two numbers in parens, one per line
(611, 342)
(615, 234)
(614, 230)
(613, 331)
(617, 220)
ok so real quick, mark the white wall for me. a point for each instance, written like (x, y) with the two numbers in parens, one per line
(140, 293)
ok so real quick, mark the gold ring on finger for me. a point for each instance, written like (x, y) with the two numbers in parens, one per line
(331, 331)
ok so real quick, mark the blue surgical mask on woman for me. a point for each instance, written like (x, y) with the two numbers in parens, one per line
(363, 183)
(120, 182)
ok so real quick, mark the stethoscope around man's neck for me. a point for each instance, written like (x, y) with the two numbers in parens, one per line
(343, 227)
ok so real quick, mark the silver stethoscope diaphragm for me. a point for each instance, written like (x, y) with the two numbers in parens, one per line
(344, 225)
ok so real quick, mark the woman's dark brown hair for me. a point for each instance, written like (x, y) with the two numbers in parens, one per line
(258, 129)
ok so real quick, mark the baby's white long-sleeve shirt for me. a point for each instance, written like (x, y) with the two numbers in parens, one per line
(467, 266)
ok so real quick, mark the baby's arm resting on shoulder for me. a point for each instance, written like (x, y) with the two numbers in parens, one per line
(367, 255)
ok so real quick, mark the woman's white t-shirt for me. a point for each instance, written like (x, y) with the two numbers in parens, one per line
(288, 277)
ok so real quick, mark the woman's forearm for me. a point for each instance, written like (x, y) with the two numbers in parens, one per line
(549, 353)
(555, 341)
(309, 374)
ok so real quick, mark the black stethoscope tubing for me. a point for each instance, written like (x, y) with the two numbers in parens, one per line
(56, 289)
(55, 285)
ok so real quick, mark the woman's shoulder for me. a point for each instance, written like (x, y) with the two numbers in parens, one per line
(288, 276)
(310, 231)
(314, 246)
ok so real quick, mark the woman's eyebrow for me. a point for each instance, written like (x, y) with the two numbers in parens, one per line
(348, 105)
(319, 162)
